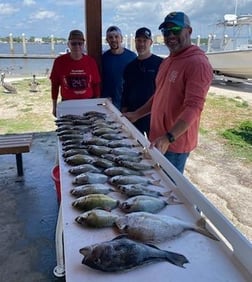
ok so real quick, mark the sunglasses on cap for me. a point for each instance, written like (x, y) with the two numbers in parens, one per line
(75, 43)
(175, 30)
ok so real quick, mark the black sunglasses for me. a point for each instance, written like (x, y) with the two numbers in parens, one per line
(175, 30)
(76, 43)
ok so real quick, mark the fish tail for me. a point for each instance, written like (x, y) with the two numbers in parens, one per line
(173, 200)
(201, 228)
(176, 259)
(157, 182)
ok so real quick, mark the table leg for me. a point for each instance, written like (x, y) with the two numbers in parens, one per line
(19, 162)
(59, 270)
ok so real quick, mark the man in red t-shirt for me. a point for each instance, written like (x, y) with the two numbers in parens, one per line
(75, 73)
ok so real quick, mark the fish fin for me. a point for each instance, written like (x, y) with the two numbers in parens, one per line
(201, 228)
(120, 237)
(156, 166)
(176, 259)
(149, 174)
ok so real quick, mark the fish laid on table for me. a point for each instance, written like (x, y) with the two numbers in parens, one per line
(71, 117)
(135, 165)
(128, 158)
(118, 170)
(132, 190)
(79, 159)
(99, 124)
(71, 142)
(71, 137)
(122, 143)
(64, 127)
(125, 151)
(143, 203)
(68, 131)
(95, 141)
(113, 136)
(76, 151)
(116, 158)
(88, 189)
(103, 163)
(73, 146)
(82, 122)
(97, 218)
(98, 150)
(105, 130)
(132, 179)
(154, 228)
(76, 170)
(91, 114)
(63, 122)
(90, 178)
(94, 201)
(122, 254)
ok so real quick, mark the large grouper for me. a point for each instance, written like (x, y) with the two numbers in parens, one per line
(122, 253)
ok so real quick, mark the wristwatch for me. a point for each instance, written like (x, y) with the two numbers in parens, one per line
(170, 137)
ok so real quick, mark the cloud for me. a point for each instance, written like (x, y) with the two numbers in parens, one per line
(7, 9)
(29, 2)
(44, 14)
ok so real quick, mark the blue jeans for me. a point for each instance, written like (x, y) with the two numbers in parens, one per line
(177, 159)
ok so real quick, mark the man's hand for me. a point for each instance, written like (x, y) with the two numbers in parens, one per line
(131, 116)
(162, 144)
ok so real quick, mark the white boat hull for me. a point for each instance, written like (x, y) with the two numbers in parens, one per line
(237, 63)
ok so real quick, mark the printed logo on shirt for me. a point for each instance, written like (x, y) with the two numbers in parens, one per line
(77, 82)
(173, 76)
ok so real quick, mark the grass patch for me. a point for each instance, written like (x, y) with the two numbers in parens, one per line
(226, 120)
(240, 140)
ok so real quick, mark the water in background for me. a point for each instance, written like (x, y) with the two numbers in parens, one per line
(27, 67)
(39, 66)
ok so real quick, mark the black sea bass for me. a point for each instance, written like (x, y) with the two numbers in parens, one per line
(122, 253)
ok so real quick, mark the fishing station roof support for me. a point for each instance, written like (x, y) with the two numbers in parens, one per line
(93, 29)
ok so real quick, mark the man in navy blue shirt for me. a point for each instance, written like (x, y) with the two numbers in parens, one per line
(114, 62)
(139, 78)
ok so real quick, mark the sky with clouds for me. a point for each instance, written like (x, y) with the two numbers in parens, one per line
(58, 17)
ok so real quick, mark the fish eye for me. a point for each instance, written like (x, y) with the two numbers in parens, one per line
(97, 261)
(126, 206)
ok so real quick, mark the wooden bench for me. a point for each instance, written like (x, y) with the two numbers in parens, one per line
(16, 144)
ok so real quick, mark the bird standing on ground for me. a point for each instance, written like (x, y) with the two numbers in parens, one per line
(8, 88)
(34, 84)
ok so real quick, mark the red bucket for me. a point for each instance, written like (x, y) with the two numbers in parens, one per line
(55, 173)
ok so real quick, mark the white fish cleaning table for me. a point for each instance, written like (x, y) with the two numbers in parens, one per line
(229, 259)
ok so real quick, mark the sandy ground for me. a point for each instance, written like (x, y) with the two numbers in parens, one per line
(225, 181)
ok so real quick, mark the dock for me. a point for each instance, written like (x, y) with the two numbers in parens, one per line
(28, 56)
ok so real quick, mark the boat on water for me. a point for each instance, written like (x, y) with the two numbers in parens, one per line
(231, 53)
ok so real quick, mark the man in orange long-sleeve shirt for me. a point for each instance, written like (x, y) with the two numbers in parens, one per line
(182, 83)
(75, 74)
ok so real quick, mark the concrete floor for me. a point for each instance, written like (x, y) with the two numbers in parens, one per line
(28, 214)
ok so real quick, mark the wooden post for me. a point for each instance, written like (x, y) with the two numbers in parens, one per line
(11, 44)
(52, 44)
(24, 44)
(93, 29)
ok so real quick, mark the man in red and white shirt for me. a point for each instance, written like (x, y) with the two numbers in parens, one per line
(75, 74)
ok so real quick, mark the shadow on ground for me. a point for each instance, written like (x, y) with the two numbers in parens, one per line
(28, 214)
